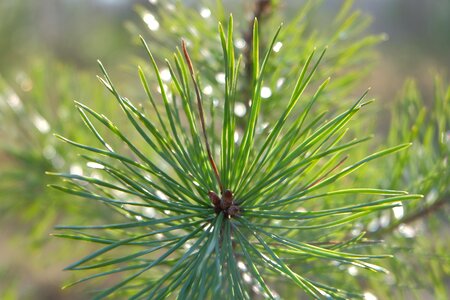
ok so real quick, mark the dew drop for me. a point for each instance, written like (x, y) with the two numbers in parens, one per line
(240, 109)
(373, 225)
(208, 90)
(14, 102)
(236, 136)
(277, 46)
(49, 152)
(151, 21)
(240, 43)
(262, 127)
(398, 211)
(220, 78)
(149, 212)
(241, 266)
(369, 296)
(165, 75)
(407, 231)
(247, 278)
(205, 12)
(301, 209)
(280, 82)
(352, 270)
(385, 219)
(166, 89)
(76, 169)
(355, 232)
(357, 229)
(161, 195)
(95, 165)
(266, 92)
(41, 124)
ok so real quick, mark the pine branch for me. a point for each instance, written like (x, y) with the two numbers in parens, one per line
(420, 214)
(198, 242)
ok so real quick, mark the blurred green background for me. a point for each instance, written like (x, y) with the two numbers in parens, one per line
(79, 32)
(48, 52)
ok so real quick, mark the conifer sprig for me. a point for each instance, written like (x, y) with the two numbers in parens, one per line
(223, 231)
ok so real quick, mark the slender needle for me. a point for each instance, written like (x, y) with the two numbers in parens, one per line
(201, 113)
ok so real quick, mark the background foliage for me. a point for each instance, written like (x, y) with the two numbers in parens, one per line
(37, 93)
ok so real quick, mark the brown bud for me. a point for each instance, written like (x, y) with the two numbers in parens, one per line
(227, 198)
(215, 200)
(233, 210)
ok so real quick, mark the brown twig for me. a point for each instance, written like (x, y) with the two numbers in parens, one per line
(327, 173)
(413, 217)
(261, 7)
(201, 113)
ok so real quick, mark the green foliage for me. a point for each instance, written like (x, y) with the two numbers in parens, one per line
(416, 230)
(425, 167)
(297, 221)
(37, 104)
(229, 230)
(33, 105)
(349, 59)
